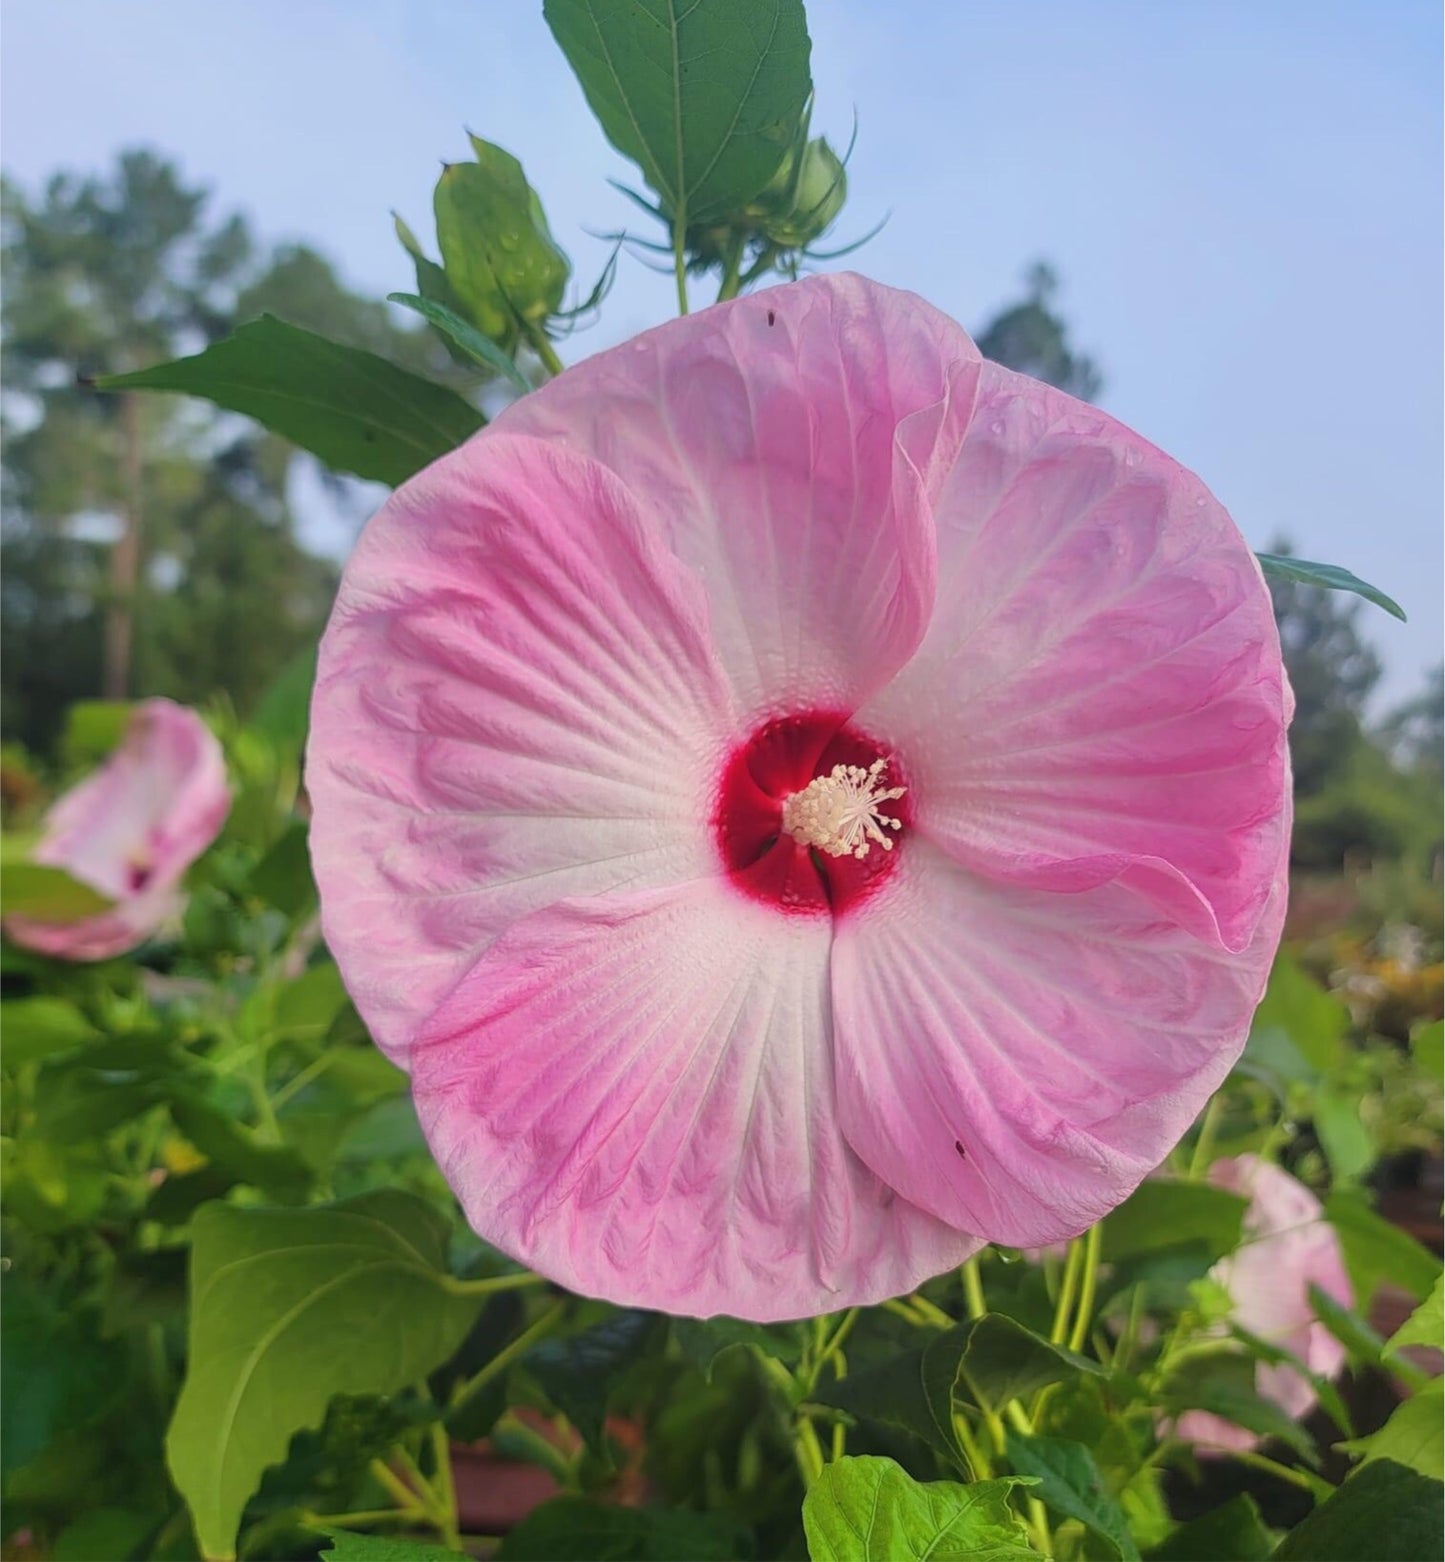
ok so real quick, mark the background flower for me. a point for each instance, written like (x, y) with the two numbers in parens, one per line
(1288, 1247)
(131, 830)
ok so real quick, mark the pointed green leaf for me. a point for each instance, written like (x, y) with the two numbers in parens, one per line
(355, 411)
(1425, 1325)
(1070, 1483)
(707, 99)
(288, 1309)
(1279, 567)
(1386, 1511)
(871, 1510)
(1414, 1435)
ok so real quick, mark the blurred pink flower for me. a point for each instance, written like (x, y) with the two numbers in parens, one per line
(802, 801)
(131, 830)
(1288, 1246)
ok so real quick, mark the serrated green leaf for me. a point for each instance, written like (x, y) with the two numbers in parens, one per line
(871, 1510)
(355, 411)
(574, 1529)
(288, 1309)
(1070, 1483)
(1385, 1513)
(46, 894)
(1413, 1436)
(1375, 1250)
(707, 100)
(1330, 576)
(35, 1028)
(466, 336)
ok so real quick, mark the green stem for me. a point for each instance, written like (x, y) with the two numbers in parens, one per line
(268, 1128)
(494, 1283)
(507, 1355)
(732, 280)
(979, 1461)
(445, 1486)
(929, 1313)
(1204, 1145)
(973, 1288)
(542, 347)
(809, 1450)
(362, 1520)
(1085, 1316)
(1064, 1307)
(397, 1488)
(1281, 1471)
(300, 1080)
(679, 262)
(539, 1449)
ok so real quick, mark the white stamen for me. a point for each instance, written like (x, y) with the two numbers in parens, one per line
(838, 813)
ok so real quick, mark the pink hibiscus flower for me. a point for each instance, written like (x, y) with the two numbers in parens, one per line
(802, 801)
(1288, 1246)
(131, 830)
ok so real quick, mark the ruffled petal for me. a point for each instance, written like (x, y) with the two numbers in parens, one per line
(788, 445)
(634, 1095)
(1016, 1061)
(516, 702)
(1100, 696)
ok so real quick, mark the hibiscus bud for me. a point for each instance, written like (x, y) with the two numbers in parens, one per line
(804, 197)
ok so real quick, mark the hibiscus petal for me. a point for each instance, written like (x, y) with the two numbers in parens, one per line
(1100, 695)
(516, 702)
(633, 1094)
(1016, 1061)
(787, 444)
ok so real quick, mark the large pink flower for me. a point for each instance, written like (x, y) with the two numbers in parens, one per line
(802, 801)
(1288, 1246)
(131, 830)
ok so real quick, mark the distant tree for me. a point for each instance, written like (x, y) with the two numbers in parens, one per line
(1414, 732)
(147, 543)
(1031, 338)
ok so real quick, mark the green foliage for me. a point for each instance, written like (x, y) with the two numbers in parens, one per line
(1386, 1510)
(356, 411)
(1331, 577)
(289, 1308)
(1233, 1530)
(347, 1547)
(29, 889)
(1413, 1436)
(571, 1529)
(1070, 1483)
(465, 336)
(1032, 339)
(706, 100)
(1376, 1251)
(1162, 1214)
(577, 1373)
(871, 1510)
(1424, 1326)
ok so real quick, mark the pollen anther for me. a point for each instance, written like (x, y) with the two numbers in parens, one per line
(839, 812)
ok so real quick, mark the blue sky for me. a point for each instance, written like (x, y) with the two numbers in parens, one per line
(1243, 199)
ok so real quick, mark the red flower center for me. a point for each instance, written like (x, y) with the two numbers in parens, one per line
(845, 769)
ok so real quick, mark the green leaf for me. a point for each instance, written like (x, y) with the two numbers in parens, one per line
(1375, 1250)
(355, 411)
(235, 1150)
(288, 1309)
(75, 1104)
(1385, 1513)
(1070, 1483)
(1428, 1047)
(498, 253)
(895, 1393)
(1351, 1330)
(1425, 1325)
(1414, 1435)
(1278, 567)
(1298, 1030)
(703, 1340)
(574, 1529)
(283, 878)
(871, 1510)
(36, 1028)
(578, 1373)
(347, 1546)
(707, 100)
(284, 713)
(1161, 1214)
(92, 729)
(1235, 1531)
(466, 336)
(45, 894)
(1344, 1138)
(103, 1532)
(1002, 1360)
